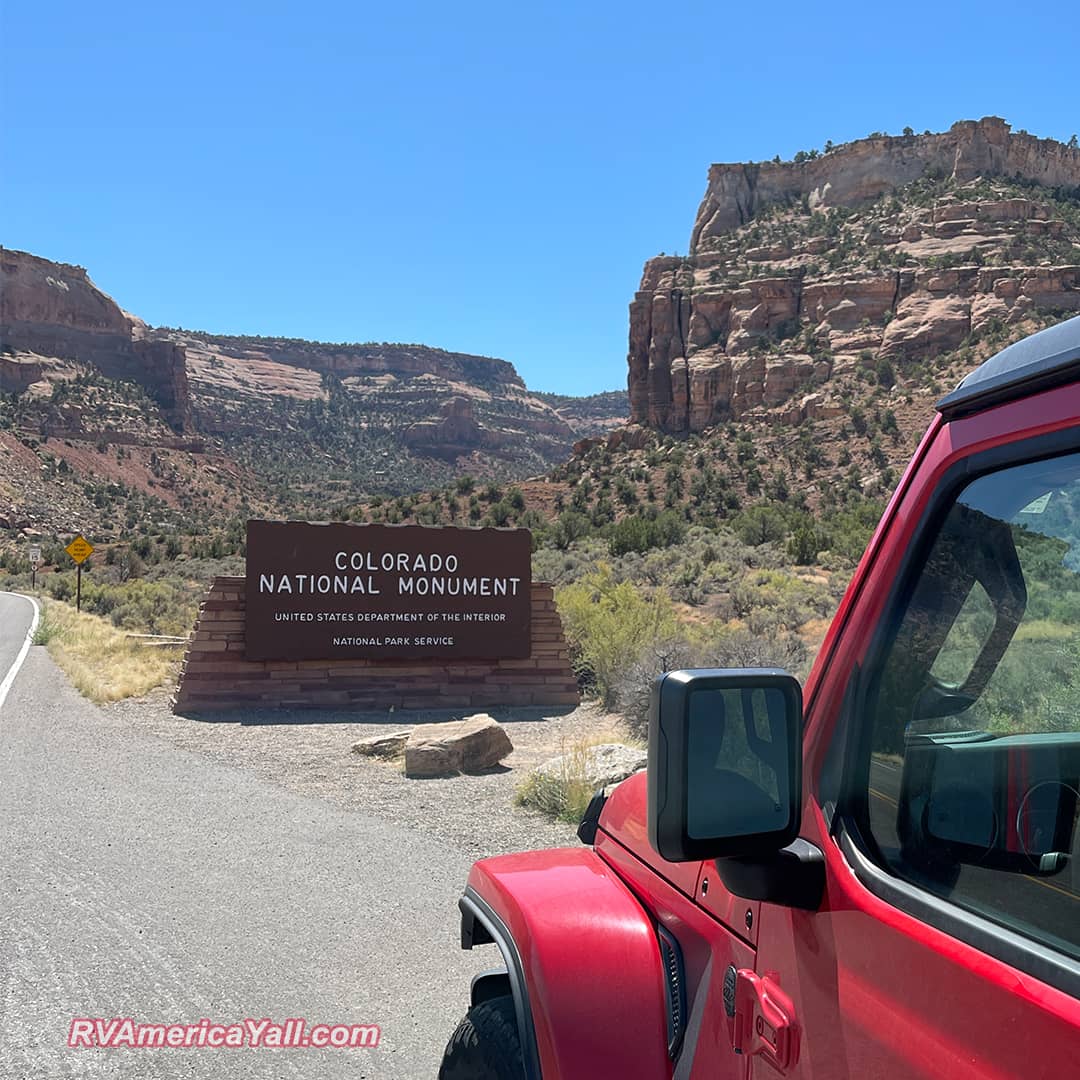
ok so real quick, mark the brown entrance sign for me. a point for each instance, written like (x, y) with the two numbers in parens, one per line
(328, 592)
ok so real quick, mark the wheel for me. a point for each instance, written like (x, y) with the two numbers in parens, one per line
(485, 1045)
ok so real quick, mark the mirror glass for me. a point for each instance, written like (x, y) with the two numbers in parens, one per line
(738, 758)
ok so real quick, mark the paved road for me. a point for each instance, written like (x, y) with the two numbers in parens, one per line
(138, 880)
(16, 612)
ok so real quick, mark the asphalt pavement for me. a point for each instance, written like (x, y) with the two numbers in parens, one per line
(16, 615)
(137, 880)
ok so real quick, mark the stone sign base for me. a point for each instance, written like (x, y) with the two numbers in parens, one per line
(216, 676)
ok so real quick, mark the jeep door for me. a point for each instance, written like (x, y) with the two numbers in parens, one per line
(943, 774)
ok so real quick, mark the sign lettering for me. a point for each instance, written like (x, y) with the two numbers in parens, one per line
(323, 592)
(80, 549)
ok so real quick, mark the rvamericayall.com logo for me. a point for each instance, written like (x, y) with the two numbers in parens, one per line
(126, 1033)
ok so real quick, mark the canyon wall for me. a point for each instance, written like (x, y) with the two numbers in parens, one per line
(760, 313)
(862, 170)
(54, 310)
(351, 361)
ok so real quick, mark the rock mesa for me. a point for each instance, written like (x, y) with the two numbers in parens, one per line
(723, 332)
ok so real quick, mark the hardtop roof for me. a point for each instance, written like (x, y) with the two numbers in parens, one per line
(1045, 359)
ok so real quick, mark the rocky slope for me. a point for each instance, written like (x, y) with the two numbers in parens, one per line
(781, 373)
(291, 424)
(345, 412)
(591, 415)
(887, 252)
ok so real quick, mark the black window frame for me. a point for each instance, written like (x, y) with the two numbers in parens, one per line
(853, 736)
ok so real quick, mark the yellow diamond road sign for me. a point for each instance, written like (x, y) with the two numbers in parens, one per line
(80, 549)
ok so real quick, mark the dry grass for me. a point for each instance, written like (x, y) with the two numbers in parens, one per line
(566, 794)
(1043, 630)
(101, 662)
(813, 632)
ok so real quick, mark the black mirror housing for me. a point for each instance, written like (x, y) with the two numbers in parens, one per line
(725, 763)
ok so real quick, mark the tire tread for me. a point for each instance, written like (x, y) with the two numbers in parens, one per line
(485, 1045)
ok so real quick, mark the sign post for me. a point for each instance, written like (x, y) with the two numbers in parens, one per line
(35, 562)
(80, 549)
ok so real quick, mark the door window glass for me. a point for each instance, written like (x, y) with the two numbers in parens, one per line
(974, 781)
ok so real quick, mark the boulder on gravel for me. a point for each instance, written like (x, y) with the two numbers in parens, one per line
(471, 745)
(601, 766)
(391, 745)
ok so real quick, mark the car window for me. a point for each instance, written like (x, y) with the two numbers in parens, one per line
(966, 638)
(974, 780)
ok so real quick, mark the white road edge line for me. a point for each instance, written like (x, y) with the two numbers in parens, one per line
(9, 678)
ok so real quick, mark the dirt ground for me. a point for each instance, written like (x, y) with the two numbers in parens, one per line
(310, 753)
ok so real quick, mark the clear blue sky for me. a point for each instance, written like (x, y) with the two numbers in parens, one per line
(485, 177)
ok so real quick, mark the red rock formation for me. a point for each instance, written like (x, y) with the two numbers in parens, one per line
(18, 373)
(456, 433)
(862, 170)
(54, 310)
(349, 361)
(707, 344)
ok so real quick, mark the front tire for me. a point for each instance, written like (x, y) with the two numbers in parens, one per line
(486, 1045)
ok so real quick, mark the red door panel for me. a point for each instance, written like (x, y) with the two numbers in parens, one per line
(740, 916)
(878, 994)
(624, 815)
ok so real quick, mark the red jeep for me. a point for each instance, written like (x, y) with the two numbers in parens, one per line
(876, 876)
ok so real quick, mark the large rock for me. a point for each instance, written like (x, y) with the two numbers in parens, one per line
(926, 325)
(471, 745)
(19, 372)
(605, 764)
(458, 432)
(844, 302)
(391, 745)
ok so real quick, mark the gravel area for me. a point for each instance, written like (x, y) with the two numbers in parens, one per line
(310, 753)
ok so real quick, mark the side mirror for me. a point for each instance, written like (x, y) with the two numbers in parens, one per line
(725, 763)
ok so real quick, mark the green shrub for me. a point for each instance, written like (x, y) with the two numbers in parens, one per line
(848, 530)
(607, 624)
(760, 525)
(47, 628)
(686, 648)
(153, 607)
(803, 545)
(641, 533)
(564, 793)
(570, 525)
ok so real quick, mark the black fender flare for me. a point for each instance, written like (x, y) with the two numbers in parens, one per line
(480, 925)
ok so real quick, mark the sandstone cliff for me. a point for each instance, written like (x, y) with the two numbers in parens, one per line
(863, 170)
(344, 361)
(456, 433)
(52, 311)
(893, 250)
(138, 415)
